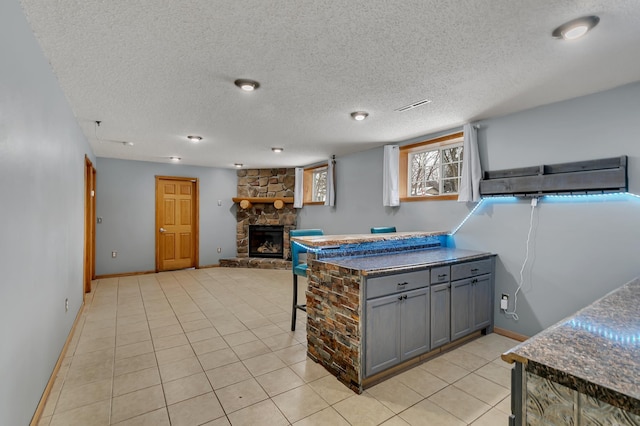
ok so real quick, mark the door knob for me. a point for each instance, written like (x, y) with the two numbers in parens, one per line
(162, 230)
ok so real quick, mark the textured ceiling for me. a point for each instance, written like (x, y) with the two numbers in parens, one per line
(155, 71)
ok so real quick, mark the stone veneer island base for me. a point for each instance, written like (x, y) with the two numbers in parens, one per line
(340, 270)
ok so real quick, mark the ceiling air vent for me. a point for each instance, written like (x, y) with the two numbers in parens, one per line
(413, 105)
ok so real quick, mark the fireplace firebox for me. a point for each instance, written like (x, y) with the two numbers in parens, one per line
(266, 241)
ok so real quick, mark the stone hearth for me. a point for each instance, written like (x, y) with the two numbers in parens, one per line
(255, 262)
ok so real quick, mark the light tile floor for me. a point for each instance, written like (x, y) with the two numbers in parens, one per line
(214, 347)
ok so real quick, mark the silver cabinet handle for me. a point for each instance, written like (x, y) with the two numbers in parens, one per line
(162, 230)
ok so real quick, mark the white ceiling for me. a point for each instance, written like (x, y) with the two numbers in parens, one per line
(155, 71)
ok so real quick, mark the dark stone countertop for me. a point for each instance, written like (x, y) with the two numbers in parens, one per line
(405, 261)
(320, 241)
(596, 351)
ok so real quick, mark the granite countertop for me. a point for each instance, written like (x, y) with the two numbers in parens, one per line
(320, 241)
(405, 261)
(599, 345)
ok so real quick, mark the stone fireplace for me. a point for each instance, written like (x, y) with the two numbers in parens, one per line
(266, 241)
(258, 190)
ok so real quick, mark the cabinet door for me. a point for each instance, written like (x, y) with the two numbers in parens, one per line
(482, 302)
(440, 314)
(382, 334)
(414, 323)
(461, 304)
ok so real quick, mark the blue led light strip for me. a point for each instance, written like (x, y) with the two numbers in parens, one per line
(632, 194)
(607, 333)
(605, 195)
(582, 196)
(468, 216)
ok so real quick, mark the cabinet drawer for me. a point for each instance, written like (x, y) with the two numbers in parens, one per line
(470, 269)
(440, 275)
(381, 286)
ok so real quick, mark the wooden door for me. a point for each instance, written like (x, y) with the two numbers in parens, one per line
(89, 224)
(176, 223)
(92, 261)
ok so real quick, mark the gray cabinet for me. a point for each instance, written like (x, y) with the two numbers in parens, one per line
(382, 334)
(460, 308)
(482, 306)
(440, 314)
(414, 323)
(440, 306)
(397, 325)
(411, 313)
(471, 297)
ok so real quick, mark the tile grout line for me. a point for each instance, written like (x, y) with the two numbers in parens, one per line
(164, 396)
(174, 290)
(198, 358)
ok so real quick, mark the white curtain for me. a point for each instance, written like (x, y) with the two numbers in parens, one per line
(330, 199)
(298, 195)
(390, 172)
(471, 170)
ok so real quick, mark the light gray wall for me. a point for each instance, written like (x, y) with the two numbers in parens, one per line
(42, 153)
(359, 202)
(125, 200)
(580, 249)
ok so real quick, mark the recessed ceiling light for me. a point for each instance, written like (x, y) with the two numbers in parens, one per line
(238, 165)
(576, 28)
(246, 84)
(176, 159)
(359, 115)
(277, 149)
(194, 139)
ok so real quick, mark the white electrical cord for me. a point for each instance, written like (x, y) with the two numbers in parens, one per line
(534, 202)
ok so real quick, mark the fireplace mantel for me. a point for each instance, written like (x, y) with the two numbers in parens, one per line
(247, 202)
(266, 200)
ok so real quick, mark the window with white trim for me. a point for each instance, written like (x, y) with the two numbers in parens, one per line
(315, 185)
(431, 169)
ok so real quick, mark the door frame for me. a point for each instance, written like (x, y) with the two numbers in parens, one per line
(89, 262)
(196, 217)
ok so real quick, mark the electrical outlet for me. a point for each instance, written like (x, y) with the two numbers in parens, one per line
(219, 249)
(114, 254)
(219, 202)
(504, 302)
(66, 305)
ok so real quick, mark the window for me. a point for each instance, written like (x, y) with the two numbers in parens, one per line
(431, 169)
(315, 184)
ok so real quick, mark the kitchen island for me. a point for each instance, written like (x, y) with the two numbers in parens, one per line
(584, 370)
(377, 304)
